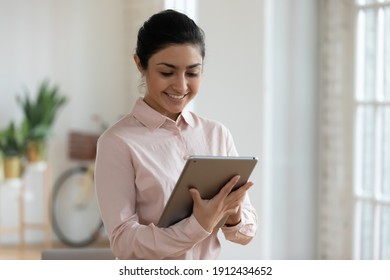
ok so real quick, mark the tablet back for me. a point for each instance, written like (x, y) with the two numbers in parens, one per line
(208, 174)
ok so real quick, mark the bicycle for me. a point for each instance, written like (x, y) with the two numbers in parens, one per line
(74, 210)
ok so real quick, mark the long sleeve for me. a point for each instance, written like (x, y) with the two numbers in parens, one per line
(139, 160)
(244, 232)
(116, 193)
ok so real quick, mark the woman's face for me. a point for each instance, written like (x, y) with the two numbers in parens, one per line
(172, 78)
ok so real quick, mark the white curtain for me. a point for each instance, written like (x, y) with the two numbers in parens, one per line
(336, 130)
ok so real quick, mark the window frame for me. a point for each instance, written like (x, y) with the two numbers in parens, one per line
(374, 201)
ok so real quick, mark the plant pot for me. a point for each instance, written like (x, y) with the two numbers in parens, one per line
(12, 167)
(36, 150)
(1, 167)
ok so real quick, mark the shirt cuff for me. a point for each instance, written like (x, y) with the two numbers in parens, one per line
(233, 228)
(193, 229)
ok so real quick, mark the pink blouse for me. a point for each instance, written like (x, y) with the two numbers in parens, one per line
(139, 160)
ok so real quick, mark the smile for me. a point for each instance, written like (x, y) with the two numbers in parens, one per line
(175, 96)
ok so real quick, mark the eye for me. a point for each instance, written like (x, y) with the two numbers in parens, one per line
(192, 75)
(166, 74)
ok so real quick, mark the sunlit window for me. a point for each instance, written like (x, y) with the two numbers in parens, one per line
(372, 130)
(188, 7)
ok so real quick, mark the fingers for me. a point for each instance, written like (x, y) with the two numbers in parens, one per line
(195, 195)
(233, 210)
(241, 190)
(208, 212)
(237, 196)
(225, 191)
(246, 186)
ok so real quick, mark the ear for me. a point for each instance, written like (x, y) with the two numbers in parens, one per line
(138, 63)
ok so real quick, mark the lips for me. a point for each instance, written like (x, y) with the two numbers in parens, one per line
(175, 96)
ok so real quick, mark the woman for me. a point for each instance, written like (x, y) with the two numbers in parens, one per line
(140, 158)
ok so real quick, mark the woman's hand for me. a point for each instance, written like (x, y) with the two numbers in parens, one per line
(209, 213)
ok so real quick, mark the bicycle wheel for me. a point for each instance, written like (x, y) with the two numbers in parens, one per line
(75, 215)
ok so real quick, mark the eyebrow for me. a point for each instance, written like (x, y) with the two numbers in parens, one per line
(175, 67)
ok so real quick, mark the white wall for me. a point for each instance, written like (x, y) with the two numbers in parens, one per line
(290, 136)
(77, 45)
(261, 81)
(86, 48)
(231, 90)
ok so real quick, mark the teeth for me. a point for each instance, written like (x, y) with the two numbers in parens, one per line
(174, 96)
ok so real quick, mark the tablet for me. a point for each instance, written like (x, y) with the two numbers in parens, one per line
(208, 174)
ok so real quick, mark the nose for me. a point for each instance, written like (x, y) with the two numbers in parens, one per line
(180, 84)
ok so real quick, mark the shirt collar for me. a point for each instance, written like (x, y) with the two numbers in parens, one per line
(153, 119)
(187, 117)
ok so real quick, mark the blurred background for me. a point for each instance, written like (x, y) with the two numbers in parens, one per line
(302, 84)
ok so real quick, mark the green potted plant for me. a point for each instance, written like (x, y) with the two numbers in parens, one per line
(1, 166)
(12, 145)
(39, 116)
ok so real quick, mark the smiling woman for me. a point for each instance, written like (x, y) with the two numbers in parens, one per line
(140, 158)
(173, 78)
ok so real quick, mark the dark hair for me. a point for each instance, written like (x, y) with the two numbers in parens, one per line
(166, 28)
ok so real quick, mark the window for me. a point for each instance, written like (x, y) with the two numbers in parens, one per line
(372, 130)
(354, 184)
(188, 7)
